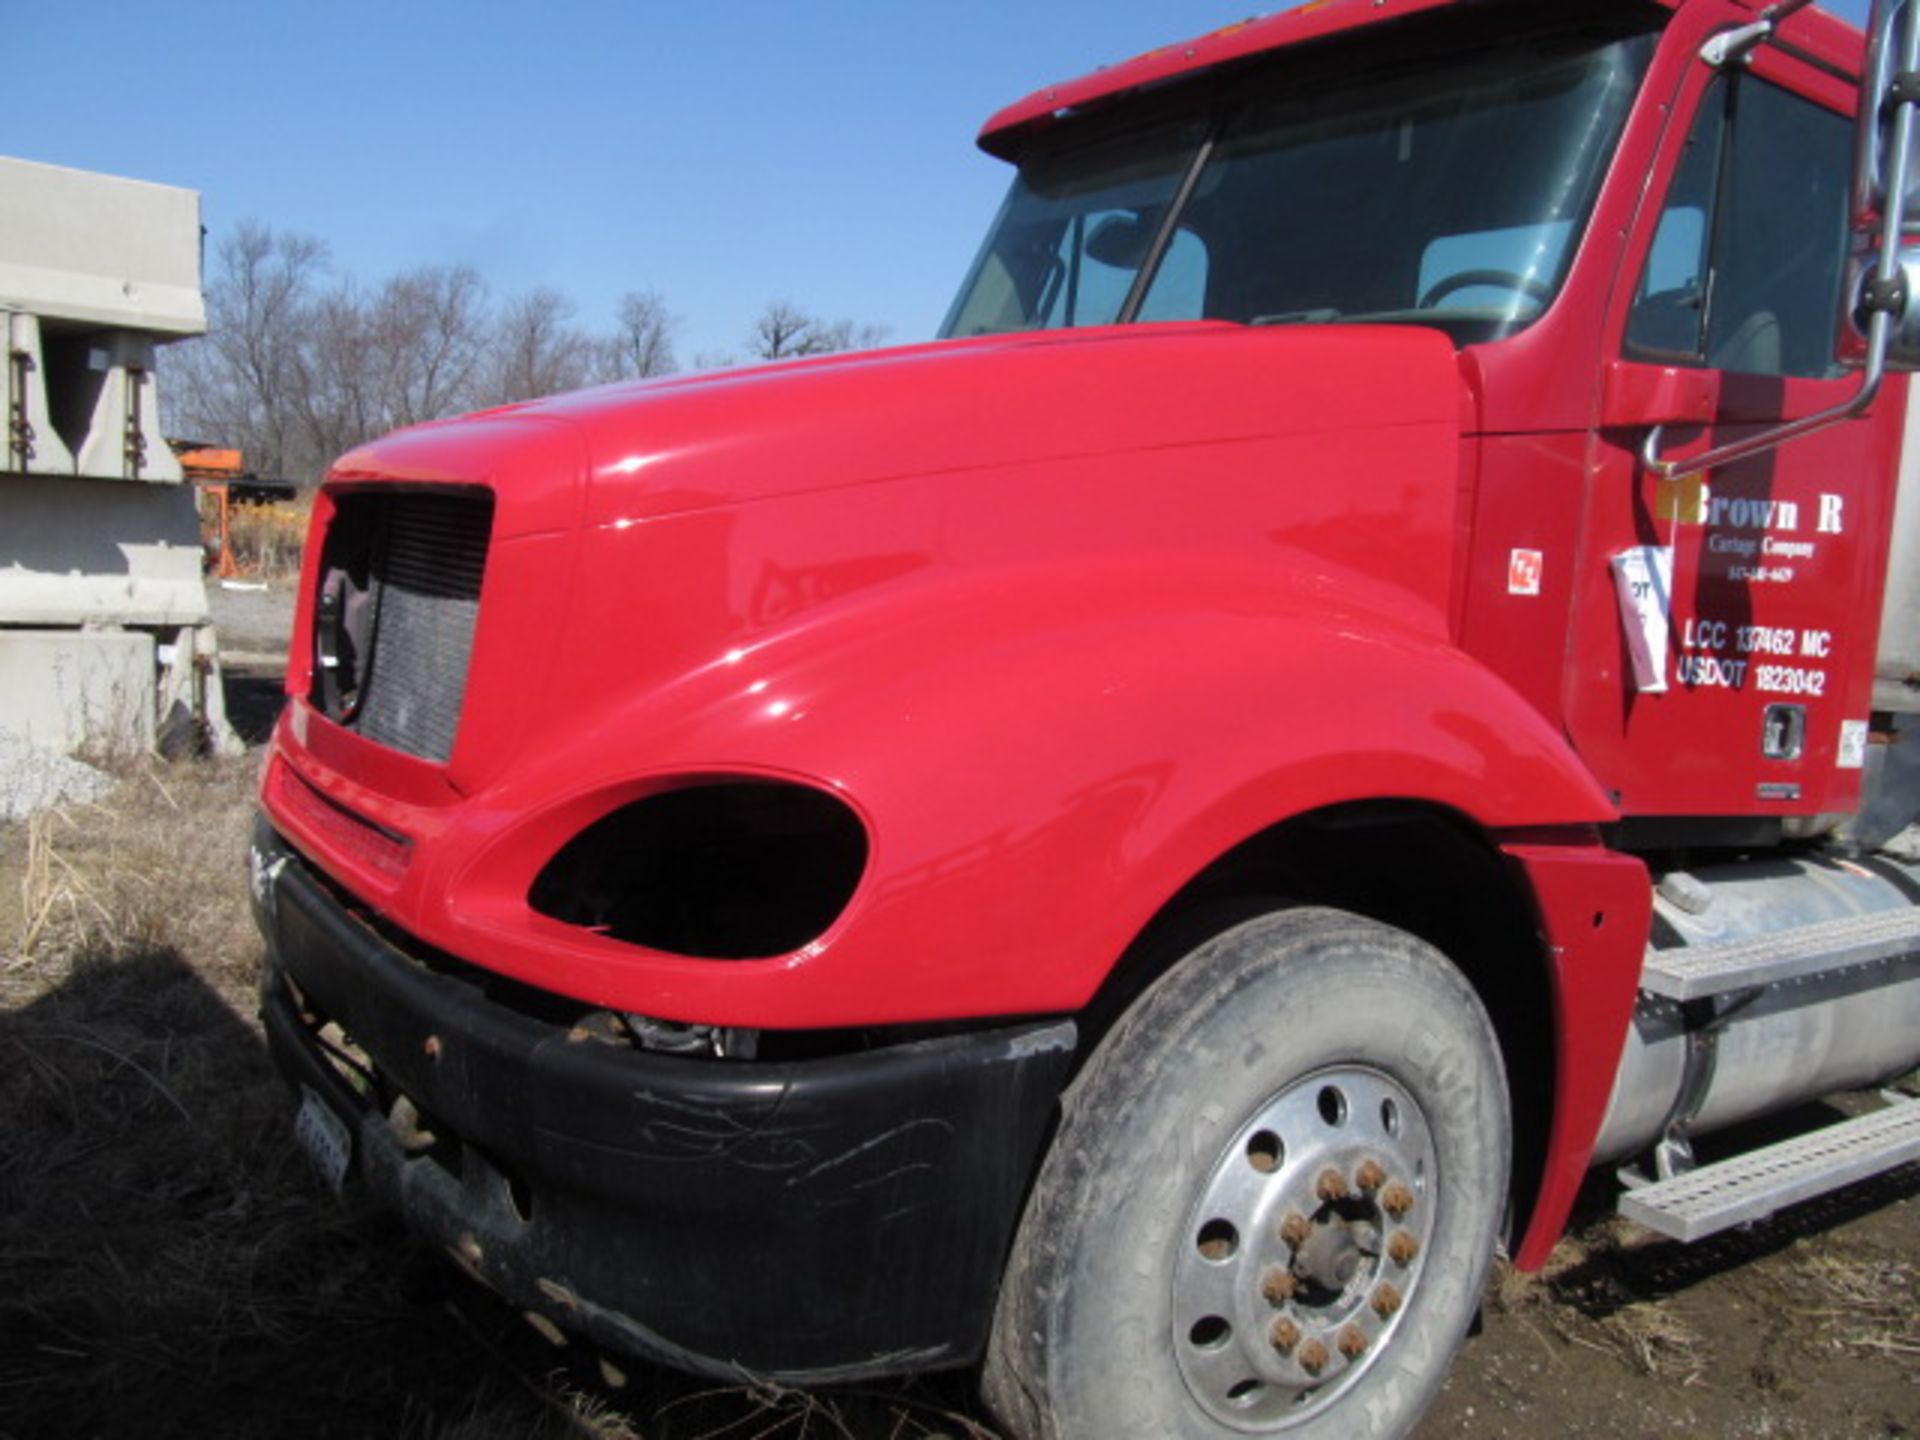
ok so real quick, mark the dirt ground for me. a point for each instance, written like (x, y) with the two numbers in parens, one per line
(169, 1268)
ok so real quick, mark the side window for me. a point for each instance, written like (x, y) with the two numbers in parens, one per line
(1781, 236)
(1745, 270)
(1668, 320)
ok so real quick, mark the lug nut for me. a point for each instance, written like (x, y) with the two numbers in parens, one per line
(1370, 1176)
(1396, 1200)
(1353, 1342)
(1386, 1301)
(1402, 1248)
(1331, 1185)
(1284, 1335)
(1277, 1286)
(1313, 1357)
(1295, 1229)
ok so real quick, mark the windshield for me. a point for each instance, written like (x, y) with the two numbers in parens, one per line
(1450, 194)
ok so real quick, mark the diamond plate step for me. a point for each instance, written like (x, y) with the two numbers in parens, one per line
(1693, 972)
(1753, 1186)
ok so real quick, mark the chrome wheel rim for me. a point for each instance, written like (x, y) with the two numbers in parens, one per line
(1305, 1249)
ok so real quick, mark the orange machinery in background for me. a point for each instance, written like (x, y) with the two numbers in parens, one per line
(213, 471)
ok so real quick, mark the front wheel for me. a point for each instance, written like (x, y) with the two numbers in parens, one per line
(1272, 1200)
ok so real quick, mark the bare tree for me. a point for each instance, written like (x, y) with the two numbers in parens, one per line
(337, 403)
(851, 335)
(784, 331)
(536, 350)
(236, 382)
(295, 371)
(407, 352)
(641, 346)
(426, 334)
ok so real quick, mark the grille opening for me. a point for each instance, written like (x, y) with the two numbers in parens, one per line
(738, 870)
(393, 618)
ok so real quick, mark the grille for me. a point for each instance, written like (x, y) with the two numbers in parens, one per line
(400, 590)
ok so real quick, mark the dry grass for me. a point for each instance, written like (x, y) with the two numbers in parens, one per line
(1595, 1295)
(266, 539)
(1870, 1305)
(1658, 1342)
(159, 867)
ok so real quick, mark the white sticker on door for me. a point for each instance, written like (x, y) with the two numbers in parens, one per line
(1643, 576)
(1853, 745)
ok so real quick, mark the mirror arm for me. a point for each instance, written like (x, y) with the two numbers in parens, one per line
(1780, 434)
(1884, 296)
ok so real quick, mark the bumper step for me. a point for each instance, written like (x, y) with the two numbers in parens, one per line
(1753, 1186)
(1696, 972)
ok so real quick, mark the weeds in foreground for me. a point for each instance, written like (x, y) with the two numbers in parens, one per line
(158, 867)
(38, 895)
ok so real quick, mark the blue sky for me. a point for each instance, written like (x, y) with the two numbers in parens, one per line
(724, 155)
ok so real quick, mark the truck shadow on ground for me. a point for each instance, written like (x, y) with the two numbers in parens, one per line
(254, 695)
(169, 1266)
(164, 1268)
(1609, 1277)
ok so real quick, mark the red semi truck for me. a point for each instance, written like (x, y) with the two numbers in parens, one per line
(1370, 671)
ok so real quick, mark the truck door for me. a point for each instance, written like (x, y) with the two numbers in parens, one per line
(1721, 655)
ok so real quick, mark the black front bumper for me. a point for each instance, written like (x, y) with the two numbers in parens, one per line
(805, 1221)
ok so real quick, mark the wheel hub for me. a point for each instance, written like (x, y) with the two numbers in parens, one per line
(1331, 1256)
(1304, 1249)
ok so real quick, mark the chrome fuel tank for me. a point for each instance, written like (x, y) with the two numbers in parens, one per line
(1706, 1064)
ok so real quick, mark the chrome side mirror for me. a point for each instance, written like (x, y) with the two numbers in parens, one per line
(1885, 279)
(1889, 46)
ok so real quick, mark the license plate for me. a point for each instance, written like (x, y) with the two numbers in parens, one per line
(325, 1138)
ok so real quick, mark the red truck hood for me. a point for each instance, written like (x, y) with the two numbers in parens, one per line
(957, 407)
(690, 443)
(879, 536)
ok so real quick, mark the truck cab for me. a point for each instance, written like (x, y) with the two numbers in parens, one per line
(1137, 843)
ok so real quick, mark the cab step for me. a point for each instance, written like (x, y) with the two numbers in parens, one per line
(1753, 1186)
(1697, 972)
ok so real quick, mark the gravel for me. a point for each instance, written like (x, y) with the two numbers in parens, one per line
(250, 620)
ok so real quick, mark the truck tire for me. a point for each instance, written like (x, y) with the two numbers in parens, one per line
(1272, 1200)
